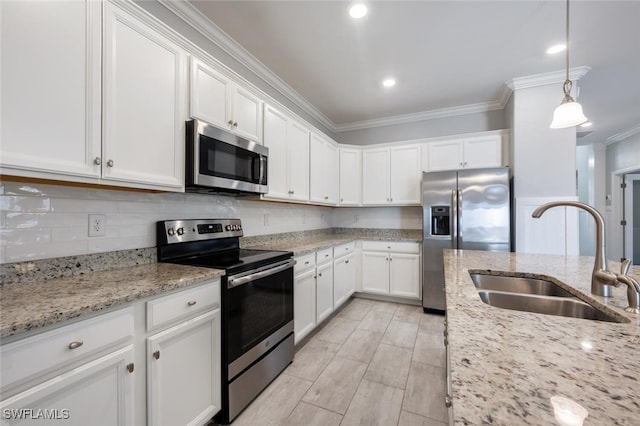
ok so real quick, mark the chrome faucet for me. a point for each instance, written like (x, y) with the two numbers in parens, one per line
(602, 280)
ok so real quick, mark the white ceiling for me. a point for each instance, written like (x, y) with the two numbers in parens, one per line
(444, 54)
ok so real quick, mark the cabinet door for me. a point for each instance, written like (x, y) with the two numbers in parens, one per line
(247, 114)
(445, 155)
(144, 112)
(317, 174)
(405, 175)
(99, 392)
(350, 176)
(275, 138)
(183, 372)
(50, 79)
(209, 93)
(375, 176)
(404, 275)
(304, 304)
(347, 271)
(375, 272)
(483, 151)
(324, 291)
(298, 161)
(331, 173)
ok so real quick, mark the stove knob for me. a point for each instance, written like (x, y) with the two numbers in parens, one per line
(180, 231)
(239, 227)
(227, 228)
(171, 231)
(235, 227)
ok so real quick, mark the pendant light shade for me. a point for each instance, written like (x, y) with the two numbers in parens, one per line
(569, 113)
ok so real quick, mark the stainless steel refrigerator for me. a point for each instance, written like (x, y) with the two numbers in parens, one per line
(465, 209)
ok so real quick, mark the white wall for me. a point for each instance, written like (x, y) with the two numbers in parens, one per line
(43, 221)
(378, 217)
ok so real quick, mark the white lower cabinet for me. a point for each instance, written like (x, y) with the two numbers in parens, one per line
(92, 372)
(304, 303)
(344, 274)
(183, 366)
(324, 291)
(391, 268)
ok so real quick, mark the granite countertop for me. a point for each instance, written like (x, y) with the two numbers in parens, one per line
(313, 242)
(505, 365)
(31, 305)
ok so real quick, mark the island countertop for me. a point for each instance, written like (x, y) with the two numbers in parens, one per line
(505, 365)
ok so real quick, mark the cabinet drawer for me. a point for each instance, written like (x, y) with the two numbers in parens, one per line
(343, 249)
(304, 263)
(167, 309)
(26, 359)
(391, 246)
(324, 255)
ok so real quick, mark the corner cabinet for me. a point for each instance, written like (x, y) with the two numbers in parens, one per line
(144, 112)
(468, 153)
(288, 143)
(391, 176)
(51, 84)
(219, 101)
(323, 171)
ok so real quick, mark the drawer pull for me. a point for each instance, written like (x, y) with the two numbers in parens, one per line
(191, 302)
(76, 344)
(306, 263)
(156, 354)
(346, 261)
(447, 401)
(130, 368)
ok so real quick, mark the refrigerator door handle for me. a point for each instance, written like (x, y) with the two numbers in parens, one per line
(459, 219)
(454, 219)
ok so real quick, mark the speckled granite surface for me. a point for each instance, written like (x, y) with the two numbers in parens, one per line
(301, 243)
(30, 305)
(505, 365)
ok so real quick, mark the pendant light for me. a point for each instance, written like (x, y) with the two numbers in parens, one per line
(569, 112)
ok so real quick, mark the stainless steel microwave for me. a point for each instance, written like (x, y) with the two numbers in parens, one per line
(218, 161)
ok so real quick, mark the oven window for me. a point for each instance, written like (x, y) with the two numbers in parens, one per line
(227, 161)
(257, 309)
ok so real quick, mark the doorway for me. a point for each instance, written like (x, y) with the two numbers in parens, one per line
(632, 216)
(621, 240)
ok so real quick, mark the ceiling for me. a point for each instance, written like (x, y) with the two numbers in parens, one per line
(448, 57)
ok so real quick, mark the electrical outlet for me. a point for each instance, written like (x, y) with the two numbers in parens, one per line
(97, 225)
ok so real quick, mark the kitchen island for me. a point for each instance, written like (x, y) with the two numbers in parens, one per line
(505, 365)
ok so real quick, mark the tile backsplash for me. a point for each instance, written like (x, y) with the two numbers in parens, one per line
(39, 221)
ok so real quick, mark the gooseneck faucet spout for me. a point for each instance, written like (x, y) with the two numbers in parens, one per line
(602, 279)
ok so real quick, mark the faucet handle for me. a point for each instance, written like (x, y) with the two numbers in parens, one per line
(624, 266)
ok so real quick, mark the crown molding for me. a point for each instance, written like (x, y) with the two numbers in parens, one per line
(622, 135)
(547, 78)
(196, 19)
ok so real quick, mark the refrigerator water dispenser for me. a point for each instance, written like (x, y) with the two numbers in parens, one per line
(440, 220)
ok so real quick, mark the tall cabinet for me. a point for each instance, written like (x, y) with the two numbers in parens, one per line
(323, 170)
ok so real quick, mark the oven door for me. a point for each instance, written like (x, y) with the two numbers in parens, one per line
(219, 159)
(258, 313)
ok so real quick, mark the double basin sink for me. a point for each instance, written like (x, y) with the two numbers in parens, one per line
(536, 295)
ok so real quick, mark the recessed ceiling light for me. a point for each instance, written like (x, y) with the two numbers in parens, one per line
(587, 124)
(358, 10)
(389, 82)
(556, 49)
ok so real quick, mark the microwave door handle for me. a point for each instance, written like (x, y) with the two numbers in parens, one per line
(262, 168)
(235, 282)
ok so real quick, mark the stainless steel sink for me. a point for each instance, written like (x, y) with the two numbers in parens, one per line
(518, 285)
(550, 305)
(535, 295)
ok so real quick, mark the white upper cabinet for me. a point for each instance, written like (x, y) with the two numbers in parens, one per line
(50, 79)
(219, 101)
(350, 176)
(469, 153)
(144, 112)
(323, 170)
(391, 175)
(288, 143)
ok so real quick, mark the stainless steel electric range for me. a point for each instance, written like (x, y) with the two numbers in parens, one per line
(257, 303)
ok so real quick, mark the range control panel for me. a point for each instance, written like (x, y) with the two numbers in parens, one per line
(180, 231)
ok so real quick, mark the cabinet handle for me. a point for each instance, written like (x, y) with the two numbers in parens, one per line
(326, 198)
(320, 274)
(341, 199)
(390, 259)
(387, 259)
(130, 368)
(391, 199)
(156, 354)
(326, 255)
(230, 122)
(76, 344)
(306, 263)
(191, 302)
(346, 261)
(110, 163)
(465, 164)
(235, 124)
(97, 161)
(447, 401)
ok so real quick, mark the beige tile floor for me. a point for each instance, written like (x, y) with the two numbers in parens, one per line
(373, 363)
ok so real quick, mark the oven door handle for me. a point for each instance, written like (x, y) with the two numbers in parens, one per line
(235, 282)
